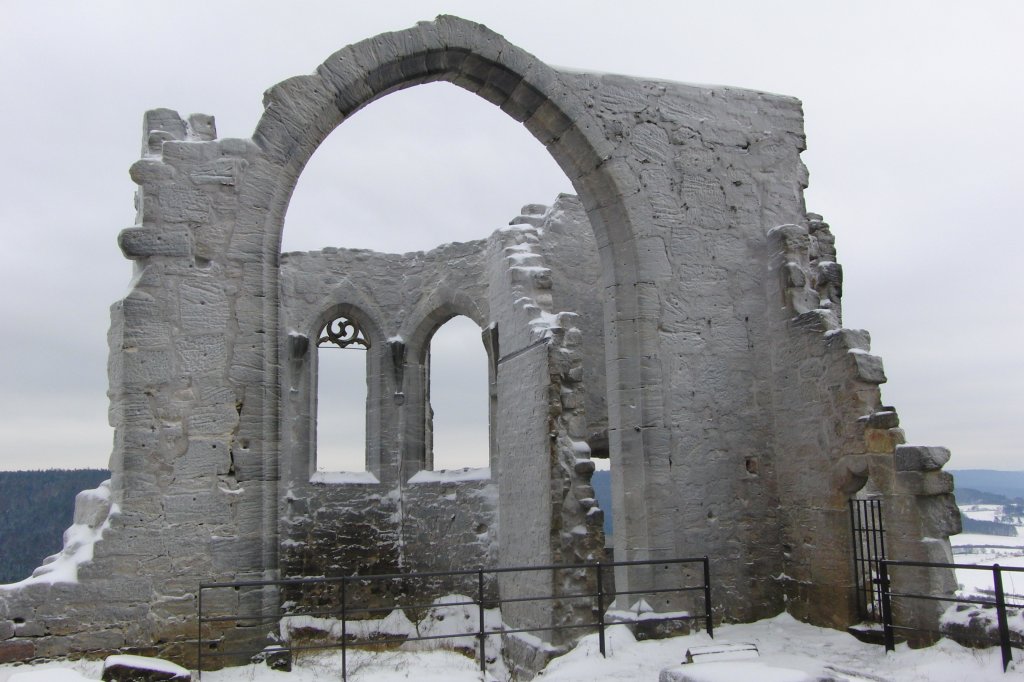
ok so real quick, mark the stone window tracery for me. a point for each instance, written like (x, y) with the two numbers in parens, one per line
(343, 332)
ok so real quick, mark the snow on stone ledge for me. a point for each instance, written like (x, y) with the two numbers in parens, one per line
(336, 477)
(93, 511)
(395, 624)
(452, 475)
(158, 665)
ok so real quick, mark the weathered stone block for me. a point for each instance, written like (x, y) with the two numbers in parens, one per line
(926, 482)
(15, 650)
(882, 440)
(32, 628)
(123, 668)
(885, 419)
(921, 458)
(92, 507)
(869, 367)
(142, 242)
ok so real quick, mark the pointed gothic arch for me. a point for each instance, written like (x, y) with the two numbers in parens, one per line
(302, 111)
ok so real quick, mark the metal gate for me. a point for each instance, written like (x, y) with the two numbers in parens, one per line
(868, 550)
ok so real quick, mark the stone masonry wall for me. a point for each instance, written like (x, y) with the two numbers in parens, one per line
(841, 441)
(404, 518)
(740, 418)
(344, 525)
(542, 426)
(569, 245)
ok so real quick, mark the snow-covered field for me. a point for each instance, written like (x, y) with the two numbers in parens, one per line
(977, 582)
(981, 512)
(985, 550)
(784, 645)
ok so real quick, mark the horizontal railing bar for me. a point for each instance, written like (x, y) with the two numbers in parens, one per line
(660, 590)
(355, 641)
(389, 609)
(927, 564)
(336, 611)
(236, 617)
(406, 584)
(929, 597)
(438, 574)
(543, 628)
(512, 600)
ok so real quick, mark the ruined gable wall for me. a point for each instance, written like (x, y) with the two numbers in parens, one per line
(840, 440)
(396, 524)
(192, 464)
(712, 169)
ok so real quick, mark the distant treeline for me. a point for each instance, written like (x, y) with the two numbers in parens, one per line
(36, 507)
(988, 527)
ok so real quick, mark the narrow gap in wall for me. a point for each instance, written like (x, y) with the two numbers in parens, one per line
(459, 396)
(341, 409)
(602, 483)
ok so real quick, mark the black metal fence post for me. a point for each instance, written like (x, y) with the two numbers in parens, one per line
(344, 633)
(883, 585)
(483, 628)
(710, 627)
(600, 609)
(1004, 628)
(199, 635)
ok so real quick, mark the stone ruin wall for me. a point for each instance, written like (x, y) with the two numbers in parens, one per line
(850, 445)
(394, 525)
(406, 521)
(740, 416)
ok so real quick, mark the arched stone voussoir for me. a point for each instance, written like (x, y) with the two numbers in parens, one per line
(302, 111)
(298, 114)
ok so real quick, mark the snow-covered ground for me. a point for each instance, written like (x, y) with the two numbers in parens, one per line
(784, 644)
(977, 582)
(985, 550)
(982, 512)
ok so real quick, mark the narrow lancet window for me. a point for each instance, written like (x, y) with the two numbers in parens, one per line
(458, 407)
(341, 397)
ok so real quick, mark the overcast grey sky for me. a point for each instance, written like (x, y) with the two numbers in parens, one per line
(913, 115)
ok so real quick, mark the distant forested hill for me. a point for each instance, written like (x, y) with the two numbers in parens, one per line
(1007, 483)
(36, 507)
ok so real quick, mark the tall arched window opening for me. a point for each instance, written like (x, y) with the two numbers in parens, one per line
(458, 398)
(418, 168)
(341, 397)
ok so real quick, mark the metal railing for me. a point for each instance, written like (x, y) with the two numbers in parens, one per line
(344, 610)
(999, 602)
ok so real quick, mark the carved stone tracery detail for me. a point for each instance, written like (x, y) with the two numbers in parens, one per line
(343, 333)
